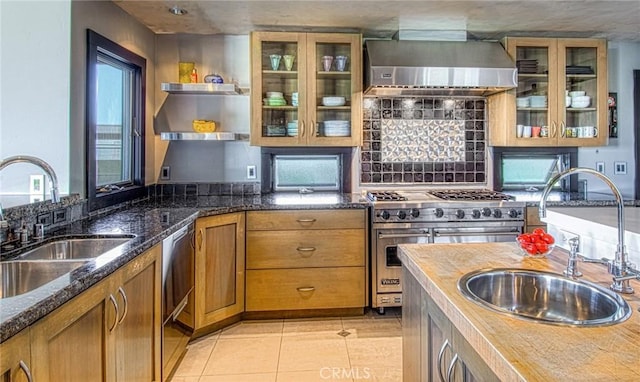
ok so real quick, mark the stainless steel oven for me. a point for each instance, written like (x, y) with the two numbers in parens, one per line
(410, 217)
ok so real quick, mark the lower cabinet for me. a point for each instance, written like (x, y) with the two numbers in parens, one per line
(433, 349)
(15, 358)
(110, 332)
(306, 259)
(219, 263)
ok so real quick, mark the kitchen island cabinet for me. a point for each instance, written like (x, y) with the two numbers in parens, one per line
(305, 121)
(306, 260)
(110, 332)
(219, 269)
(548, 70)
(514, 349)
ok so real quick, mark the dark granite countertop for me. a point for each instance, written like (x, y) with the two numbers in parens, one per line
(569, 199)
(150, 221)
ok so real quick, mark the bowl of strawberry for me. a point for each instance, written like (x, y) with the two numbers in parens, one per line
(536, 244)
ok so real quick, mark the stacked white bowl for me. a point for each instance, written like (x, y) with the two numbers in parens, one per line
(579, 99)
(522, 102)
(292, 128)
(333, 101)
(538, 101)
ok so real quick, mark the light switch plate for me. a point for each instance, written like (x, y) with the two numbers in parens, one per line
(600, 167)
(619, 168)
(251, 172)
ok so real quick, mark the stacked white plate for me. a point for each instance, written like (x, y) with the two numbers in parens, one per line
(337, 128)
(333, 101)
(538, 101)
(292, 128)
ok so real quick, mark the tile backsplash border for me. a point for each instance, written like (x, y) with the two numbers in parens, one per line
(470, 110)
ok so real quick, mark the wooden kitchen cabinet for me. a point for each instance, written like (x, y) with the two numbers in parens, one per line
(532, 220)
(307, 78)
(111, 332)
(551, 68)
(219, 264)
(300, 260)
(433, 349)
(15, 358)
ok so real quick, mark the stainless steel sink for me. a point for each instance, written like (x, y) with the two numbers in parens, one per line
(72, 249)
(18, 277)
(544, 297)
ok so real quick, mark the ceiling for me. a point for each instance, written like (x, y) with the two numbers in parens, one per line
(480, 19)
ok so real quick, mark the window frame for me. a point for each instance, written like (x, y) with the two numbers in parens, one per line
(96, 44)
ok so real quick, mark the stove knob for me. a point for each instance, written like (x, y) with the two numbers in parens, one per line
(460, 214)
(513, 213)
(384, 215)
(476, 214)
(486, 212)
(401, 215)
(439, 212)
(414, 213)
(497, 213)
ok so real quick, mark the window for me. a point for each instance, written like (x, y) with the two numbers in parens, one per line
(530, 169)
(313, 172)
(115, 122)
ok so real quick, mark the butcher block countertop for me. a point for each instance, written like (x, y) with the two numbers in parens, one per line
(519, 350)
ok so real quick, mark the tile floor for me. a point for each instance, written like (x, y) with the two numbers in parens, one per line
(362, 348)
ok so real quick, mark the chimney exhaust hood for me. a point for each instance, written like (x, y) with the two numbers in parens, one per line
(447, 68)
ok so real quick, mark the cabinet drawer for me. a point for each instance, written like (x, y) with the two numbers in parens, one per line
(300, 249)
(314, 288)
(305, 219)
(532, 217)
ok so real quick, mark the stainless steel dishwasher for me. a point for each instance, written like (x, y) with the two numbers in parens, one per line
(177, 284)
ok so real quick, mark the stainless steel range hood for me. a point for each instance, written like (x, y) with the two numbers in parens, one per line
(403, 67)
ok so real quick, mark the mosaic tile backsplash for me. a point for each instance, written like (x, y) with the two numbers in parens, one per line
(423, 140)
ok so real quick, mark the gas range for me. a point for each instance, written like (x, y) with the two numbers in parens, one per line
(454, 205)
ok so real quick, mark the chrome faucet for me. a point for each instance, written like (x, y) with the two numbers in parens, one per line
(40, 163)
(620, 267)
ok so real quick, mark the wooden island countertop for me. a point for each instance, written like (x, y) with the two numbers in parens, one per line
(519, 350)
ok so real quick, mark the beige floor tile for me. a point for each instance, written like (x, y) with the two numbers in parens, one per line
(319, 328)
(260, 377)
(368, 327)
(185, 379)
(309, 353)
(244, 355)
(375, 352)
(250, 329)
(313, 376)
(198, 352)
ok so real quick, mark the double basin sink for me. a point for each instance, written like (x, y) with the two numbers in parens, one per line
(52, 260)
(544, 297)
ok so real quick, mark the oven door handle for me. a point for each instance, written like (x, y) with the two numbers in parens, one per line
(476, 233)
(401, 235)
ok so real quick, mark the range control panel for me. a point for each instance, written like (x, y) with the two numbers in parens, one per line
(448, 214)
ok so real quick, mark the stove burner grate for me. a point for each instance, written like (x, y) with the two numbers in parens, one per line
(470, 195)
(385, 195)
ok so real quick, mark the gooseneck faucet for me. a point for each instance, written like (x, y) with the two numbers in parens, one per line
(619, 267)
(40, 163)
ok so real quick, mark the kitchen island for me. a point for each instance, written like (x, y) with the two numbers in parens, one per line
(506, 348)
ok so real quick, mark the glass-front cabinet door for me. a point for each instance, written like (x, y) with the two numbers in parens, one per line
(585, 91)
(306, 89)
(561, 97)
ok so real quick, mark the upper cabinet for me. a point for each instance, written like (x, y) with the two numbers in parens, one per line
(306, 89)
(561, 98)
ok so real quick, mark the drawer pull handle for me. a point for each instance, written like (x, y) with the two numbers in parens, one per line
(115, 318)
(26, 371)
(306, 249)
(305, 289)
(306, 220)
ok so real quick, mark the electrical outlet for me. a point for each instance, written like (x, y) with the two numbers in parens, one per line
(36, 184)
(59, 216)
(566, 236)
(600, 167)
(251, 172)
(165, 173)
(619, 168)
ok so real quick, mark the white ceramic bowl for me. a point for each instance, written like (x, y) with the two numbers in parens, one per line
(579, 105)
(333, 101)
(577, 93)
(581, 99)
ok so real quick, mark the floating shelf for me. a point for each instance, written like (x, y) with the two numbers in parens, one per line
(216, 136)
(202, 88)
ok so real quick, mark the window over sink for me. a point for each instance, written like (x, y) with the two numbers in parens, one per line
(115, 127)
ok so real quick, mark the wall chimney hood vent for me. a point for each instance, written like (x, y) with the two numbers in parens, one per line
(446, 68)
